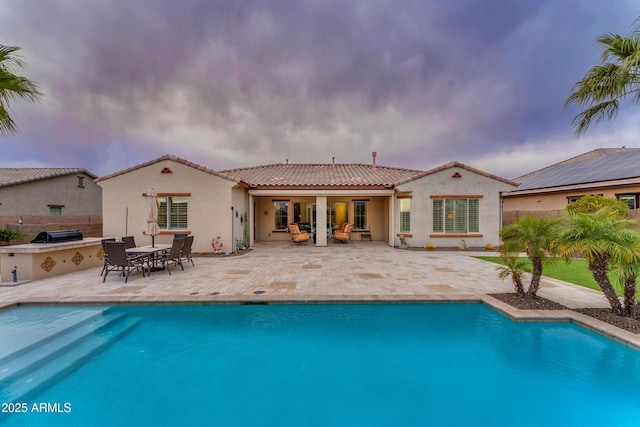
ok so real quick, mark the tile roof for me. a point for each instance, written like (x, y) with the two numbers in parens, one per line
(172, 158)
(461, 166)
(609, 166)
(317, 176)
(13, 176)
(296, 175)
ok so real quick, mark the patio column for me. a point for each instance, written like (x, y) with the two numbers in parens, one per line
(321, 220)
(392, 220)
(252, 221)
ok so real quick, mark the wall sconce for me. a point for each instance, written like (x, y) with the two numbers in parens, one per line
(20, 220)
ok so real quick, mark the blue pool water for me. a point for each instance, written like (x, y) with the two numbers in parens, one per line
(321, 365)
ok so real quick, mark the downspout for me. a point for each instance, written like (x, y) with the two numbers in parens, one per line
(233, 240)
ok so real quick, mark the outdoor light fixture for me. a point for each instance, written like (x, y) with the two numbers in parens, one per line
(20, 220)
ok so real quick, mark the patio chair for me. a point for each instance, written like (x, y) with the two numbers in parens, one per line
(129, 242)
(174, 255)
(118, 260)
(186, 249)
(104, 256)
(298, 236)
(343, 235)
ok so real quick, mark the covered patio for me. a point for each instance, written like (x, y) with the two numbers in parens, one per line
(370, 213)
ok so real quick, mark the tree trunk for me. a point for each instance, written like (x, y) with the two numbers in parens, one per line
(536, 274)
(517, 284)
(630, 297)
(599, 266)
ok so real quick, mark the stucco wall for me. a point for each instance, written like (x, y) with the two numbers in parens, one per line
(209, 203)
(34, 198)
(443, 183)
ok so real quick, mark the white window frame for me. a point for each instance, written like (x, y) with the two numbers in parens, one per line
(170, 207)
(280, 215)
(360, 220)
(456, 215)
(405, 215)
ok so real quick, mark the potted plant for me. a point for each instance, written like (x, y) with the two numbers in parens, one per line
(7, 235)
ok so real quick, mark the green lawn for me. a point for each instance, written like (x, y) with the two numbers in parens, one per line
(576, 272)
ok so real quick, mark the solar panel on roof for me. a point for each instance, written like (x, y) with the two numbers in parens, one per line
(608, 168)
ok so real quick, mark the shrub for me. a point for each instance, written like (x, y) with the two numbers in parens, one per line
(489, 247)
(7, 235)
(430, 246)
(592, 204)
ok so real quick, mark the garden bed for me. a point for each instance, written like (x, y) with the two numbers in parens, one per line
(538, 303)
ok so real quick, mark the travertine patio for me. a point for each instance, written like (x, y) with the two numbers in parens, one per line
(284, 272)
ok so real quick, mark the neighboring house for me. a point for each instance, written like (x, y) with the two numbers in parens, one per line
(37, 199)
(442, 206)
(610, 172)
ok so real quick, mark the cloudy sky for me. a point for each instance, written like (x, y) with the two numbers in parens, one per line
(232, 83)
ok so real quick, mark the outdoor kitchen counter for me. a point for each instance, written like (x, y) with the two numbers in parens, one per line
(33, 261)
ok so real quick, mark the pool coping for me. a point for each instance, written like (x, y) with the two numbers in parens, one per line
(614, 333)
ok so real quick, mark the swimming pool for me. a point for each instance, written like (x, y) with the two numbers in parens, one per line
(318, 365)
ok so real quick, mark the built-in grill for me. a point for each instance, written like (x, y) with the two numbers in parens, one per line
(57, 236)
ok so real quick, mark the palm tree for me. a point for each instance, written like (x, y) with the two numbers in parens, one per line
(12, 87)
(602, 239)
(605, 85)
(536, 237)
(513, 267)
(627, 274)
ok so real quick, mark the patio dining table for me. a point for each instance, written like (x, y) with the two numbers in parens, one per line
(151, 252)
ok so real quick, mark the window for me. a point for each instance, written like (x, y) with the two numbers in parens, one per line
(281, 214)
(172, 213)
(55, 210)
(360, 215)
(572, 199)
(456, 216)
(81, 182)
(405, 215)
(630, 199)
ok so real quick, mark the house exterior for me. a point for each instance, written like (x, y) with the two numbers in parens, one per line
(38, 199)
(610, 172)
(442, 206)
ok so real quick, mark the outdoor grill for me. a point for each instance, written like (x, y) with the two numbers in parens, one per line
(57, 236)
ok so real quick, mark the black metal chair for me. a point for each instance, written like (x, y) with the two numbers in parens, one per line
(174, 255)
(186, 250)
(104, 256)
(129, 242)
(118, 260)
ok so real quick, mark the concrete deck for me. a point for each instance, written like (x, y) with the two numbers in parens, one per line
(354, 272)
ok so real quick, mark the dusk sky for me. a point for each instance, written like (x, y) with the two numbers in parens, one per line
(229, 84)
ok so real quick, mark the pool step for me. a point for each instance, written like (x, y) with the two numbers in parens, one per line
(34, 326)
(24, 374)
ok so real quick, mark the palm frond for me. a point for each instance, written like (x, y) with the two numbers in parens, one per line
(13, 87)
(603, 111)
(603, 86)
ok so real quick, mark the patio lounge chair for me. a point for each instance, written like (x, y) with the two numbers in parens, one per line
(298, 236)
(343, 235)
(174, 255)
(118, 260)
